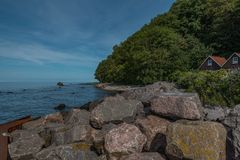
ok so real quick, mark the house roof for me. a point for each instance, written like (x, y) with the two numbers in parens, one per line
(235, 53)
(219, 60)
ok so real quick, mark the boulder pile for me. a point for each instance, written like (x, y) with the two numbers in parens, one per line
(155, 122)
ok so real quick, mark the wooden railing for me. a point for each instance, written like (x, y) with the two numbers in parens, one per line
(7, 128)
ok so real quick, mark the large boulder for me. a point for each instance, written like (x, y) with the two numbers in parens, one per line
(98, 137)
(196, 140)
(67, 134)
(77, 151)
(155, 130)
(177, 106)
(124, 140)
(77, 116)
(144, 156)
(25, 144)
(146, 93)
(115, 109)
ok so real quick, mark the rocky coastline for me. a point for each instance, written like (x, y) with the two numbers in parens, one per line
(154, 122)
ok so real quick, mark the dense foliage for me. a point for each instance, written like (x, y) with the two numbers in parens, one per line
(175, 41)
(214, 88)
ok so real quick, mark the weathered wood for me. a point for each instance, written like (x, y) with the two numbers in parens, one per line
(7, 128)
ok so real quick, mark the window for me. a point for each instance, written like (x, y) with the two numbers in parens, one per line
(235, 60)
(209, 62)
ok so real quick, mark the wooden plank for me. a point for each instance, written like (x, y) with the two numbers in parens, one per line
(15, 123)
(6, 128)
(3, 146)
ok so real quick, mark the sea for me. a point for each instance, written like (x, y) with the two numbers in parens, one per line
(20, 99)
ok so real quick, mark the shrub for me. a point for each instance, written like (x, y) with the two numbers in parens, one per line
(214, 87)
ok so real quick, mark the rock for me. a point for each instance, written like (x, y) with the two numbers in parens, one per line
(214, 113)
(196, 140)
(55, 117)
(67, 134)
(146, 93)
(77, 151)
(79, 133)
(77, 116)
(125, 139)
(115, 109)
(60, 107)
(60, 84)
(155, 130)
(36, 125)
(102, 157)
(177, 106)
(232, 120)
(25, 144)
(90, 105)
(98, 137)
(144, 156)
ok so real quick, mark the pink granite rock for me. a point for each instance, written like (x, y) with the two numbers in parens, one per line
(155, 130)
(177, 106)
(124, 140)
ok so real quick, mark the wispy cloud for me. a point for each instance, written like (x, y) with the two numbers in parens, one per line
(40, 54)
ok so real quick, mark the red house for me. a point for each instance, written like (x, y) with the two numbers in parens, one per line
(233, 62)
(212, 63)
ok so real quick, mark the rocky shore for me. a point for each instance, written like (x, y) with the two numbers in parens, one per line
(155, 122)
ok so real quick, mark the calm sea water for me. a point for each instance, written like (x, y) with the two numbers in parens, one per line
(21, 99)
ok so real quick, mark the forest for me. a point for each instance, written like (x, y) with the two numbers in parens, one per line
(175, 42)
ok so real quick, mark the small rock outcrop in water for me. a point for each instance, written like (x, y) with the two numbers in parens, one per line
(60, 107)
(60, 84)
(117, 128)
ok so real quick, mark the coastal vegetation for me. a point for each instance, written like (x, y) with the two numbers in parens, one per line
(176, 43)
(214, 88)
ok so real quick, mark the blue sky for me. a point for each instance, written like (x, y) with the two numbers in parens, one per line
(64, 40)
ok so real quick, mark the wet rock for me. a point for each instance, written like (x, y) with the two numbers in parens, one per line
(155, 130)
(146, 93)
(177, 106)
(77, 116)
(115, 109)
(125, 139)
(144, 156)
(25, 144)
(60, 107)
(77, 151)
(214, 113)
(60, 84)
(196, 140)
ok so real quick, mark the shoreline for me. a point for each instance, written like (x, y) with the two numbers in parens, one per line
(115, 88)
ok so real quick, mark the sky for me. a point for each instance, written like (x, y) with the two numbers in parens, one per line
(64, 40)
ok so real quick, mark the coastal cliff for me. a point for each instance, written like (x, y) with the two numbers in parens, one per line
(154, 122)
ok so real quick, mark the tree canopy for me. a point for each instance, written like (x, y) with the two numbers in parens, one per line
(178, 40)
